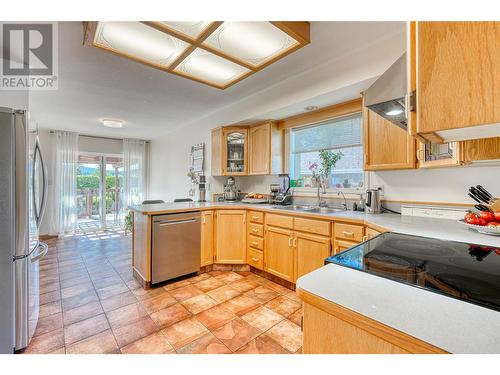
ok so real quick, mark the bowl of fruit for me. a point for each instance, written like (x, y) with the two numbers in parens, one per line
(255, 198)
(485, 222)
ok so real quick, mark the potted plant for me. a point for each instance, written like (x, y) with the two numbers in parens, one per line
(321, 173)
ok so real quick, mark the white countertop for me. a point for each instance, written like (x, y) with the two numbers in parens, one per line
(419, 226)
(448, 323)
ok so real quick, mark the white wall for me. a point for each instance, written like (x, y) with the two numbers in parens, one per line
(447, 185)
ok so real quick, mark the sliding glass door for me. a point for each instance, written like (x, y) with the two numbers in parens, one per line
(99, 184)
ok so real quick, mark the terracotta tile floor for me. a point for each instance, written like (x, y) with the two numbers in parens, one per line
(90, 303)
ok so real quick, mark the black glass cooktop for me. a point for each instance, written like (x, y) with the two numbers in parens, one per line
(460, 270)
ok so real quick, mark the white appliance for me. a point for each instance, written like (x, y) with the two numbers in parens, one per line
(23, 195)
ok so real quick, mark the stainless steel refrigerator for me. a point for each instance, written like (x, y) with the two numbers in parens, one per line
(23, 195)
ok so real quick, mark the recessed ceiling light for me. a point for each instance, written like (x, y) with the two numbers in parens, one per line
(394, 112)
(116, 124)
(311, 108)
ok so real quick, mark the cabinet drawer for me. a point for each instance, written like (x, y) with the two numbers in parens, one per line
(279, 221)
(256, 217)
(256, 229)
(341, 245)
(349, 232)
(312, 226)
(255, 242)
(370, 233)
(255, 258)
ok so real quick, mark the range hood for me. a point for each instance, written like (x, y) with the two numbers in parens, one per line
(387, 95)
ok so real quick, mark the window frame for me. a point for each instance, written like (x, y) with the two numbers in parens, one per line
(330, 191)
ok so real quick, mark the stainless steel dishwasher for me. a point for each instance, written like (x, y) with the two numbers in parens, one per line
(176, 247)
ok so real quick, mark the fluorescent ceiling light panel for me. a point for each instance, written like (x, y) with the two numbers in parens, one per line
(211, 68)
(213, 53)
(252, 42)
(139, 41)
(191, 29)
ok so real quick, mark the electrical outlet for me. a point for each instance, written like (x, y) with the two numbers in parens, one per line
(380, 188)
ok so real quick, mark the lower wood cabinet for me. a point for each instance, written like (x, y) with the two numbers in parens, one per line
(341, 245)
(207, 238)
(279, 258)
(231, 237)
(311, 251)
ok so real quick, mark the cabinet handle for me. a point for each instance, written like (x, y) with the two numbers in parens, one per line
(348, 234)
(336, 250)
(289, 241)
(244, 219)
(254, 230)
(255, 217)
(255, 243)
(295, 242)
(365, 237)
(204, 220)
(255, 259)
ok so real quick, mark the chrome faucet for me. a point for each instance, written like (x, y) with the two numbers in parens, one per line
(345, 200)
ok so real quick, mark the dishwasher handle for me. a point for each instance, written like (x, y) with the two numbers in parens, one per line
(175, 222)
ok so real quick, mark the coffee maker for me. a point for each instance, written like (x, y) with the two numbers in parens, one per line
(283, 196)
(373, 204)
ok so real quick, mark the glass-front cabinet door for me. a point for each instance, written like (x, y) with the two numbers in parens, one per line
(433, 155)
(235, 155)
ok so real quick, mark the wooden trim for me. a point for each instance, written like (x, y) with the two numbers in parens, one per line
(386, 333)
(204, 35)
(327, 113)
(300, 31)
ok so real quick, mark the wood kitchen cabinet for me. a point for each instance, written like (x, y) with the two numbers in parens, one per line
(231, 237)
(279, 257)
(436, 155)
(454, 69)
(247, 150)
(387, 146)
(311, 250)
(207, 238)
(265, 149)
(229, 151)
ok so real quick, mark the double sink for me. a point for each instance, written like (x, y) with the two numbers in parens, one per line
(311, 209)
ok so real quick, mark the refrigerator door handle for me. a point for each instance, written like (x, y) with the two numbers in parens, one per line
(39, 210)
(40, 252)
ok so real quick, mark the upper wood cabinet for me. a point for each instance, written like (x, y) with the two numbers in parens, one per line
(265, 149)
(455, 69)
(436, 155)
(386, 145)
(207, 238)
(216, 152)
(235, 151)
(231, 236)
(254, 150)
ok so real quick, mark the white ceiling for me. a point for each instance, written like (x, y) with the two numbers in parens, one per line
(94, 84)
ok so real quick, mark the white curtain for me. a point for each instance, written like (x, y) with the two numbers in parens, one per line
(64, 183)
(135, 166)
